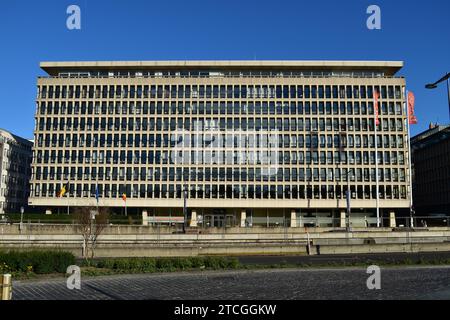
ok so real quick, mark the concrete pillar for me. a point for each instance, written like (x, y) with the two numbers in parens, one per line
(144, 218)
(6, 287)
(300, 222)
(193, 219)
(343, 219)
(392, 222)
(294, 219)
(243, 218)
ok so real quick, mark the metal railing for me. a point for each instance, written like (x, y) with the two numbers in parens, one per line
(72, 221)
(422, 221)
(308, 76)
(270, 222)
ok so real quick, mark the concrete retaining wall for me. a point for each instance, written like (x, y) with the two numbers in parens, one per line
(35, 228)
(130, 241)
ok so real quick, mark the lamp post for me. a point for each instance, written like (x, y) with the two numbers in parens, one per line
(185, 207)
(435, 85)
(21, 217)
(342, 148)
(348, 195)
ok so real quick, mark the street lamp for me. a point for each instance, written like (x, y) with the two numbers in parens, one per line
(435, 85)
(21, 217)
(185, 191)
(342, 148)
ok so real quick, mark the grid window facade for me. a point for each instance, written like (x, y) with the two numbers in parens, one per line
(121, 133)
(15, 172)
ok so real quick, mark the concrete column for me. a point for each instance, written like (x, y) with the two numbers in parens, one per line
(392, 222)
(144, 218)
(193, 219)
(293, 219)
(243, 218)
(343, 219)
(300, 222)
(6, 287)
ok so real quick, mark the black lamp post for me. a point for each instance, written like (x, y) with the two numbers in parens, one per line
(435, 85)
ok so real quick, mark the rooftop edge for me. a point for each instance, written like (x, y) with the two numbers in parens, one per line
(389, 67)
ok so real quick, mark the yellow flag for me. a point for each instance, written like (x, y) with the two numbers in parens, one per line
(63, 191)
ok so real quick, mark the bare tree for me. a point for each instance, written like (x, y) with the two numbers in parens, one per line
(90, 223)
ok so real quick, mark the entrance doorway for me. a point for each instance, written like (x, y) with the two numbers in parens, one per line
(218, 219)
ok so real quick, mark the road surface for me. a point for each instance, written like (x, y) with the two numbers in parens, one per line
(275, 284)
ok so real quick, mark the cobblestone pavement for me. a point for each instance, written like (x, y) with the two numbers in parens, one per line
(396, 283)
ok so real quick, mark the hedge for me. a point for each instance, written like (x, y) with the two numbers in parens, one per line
(167, 264)
(40, 262)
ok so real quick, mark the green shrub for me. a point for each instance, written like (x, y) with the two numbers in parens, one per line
(104, 263)
(167, 264)
(233, 263)
(407, 261)
(148, 265)
(197, 262)
(215, 263)
(63, 259)
(128, 264)
(45, 261)
(123, 264)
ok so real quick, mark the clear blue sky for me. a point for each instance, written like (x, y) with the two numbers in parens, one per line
(416, 32)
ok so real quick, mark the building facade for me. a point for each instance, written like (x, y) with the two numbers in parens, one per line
(15, 172)
(251, 142)
(431, 171)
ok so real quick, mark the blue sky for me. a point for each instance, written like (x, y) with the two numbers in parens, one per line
(416, 32)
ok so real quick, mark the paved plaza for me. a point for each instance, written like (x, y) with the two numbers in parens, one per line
(285, 284)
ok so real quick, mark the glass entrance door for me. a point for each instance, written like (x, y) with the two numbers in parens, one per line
(217, 220)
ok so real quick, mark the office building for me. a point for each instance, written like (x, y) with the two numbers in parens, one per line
(431, 171)
(252, 142)
(15, 172)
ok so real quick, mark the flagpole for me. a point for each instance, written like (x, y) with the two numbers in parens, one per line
(68, 204)
(124, 198)
(376, 112)
(97, 194)
(409, 160)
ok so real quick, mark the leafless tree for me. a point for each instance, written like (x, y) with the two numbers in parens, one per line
(90, 223)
